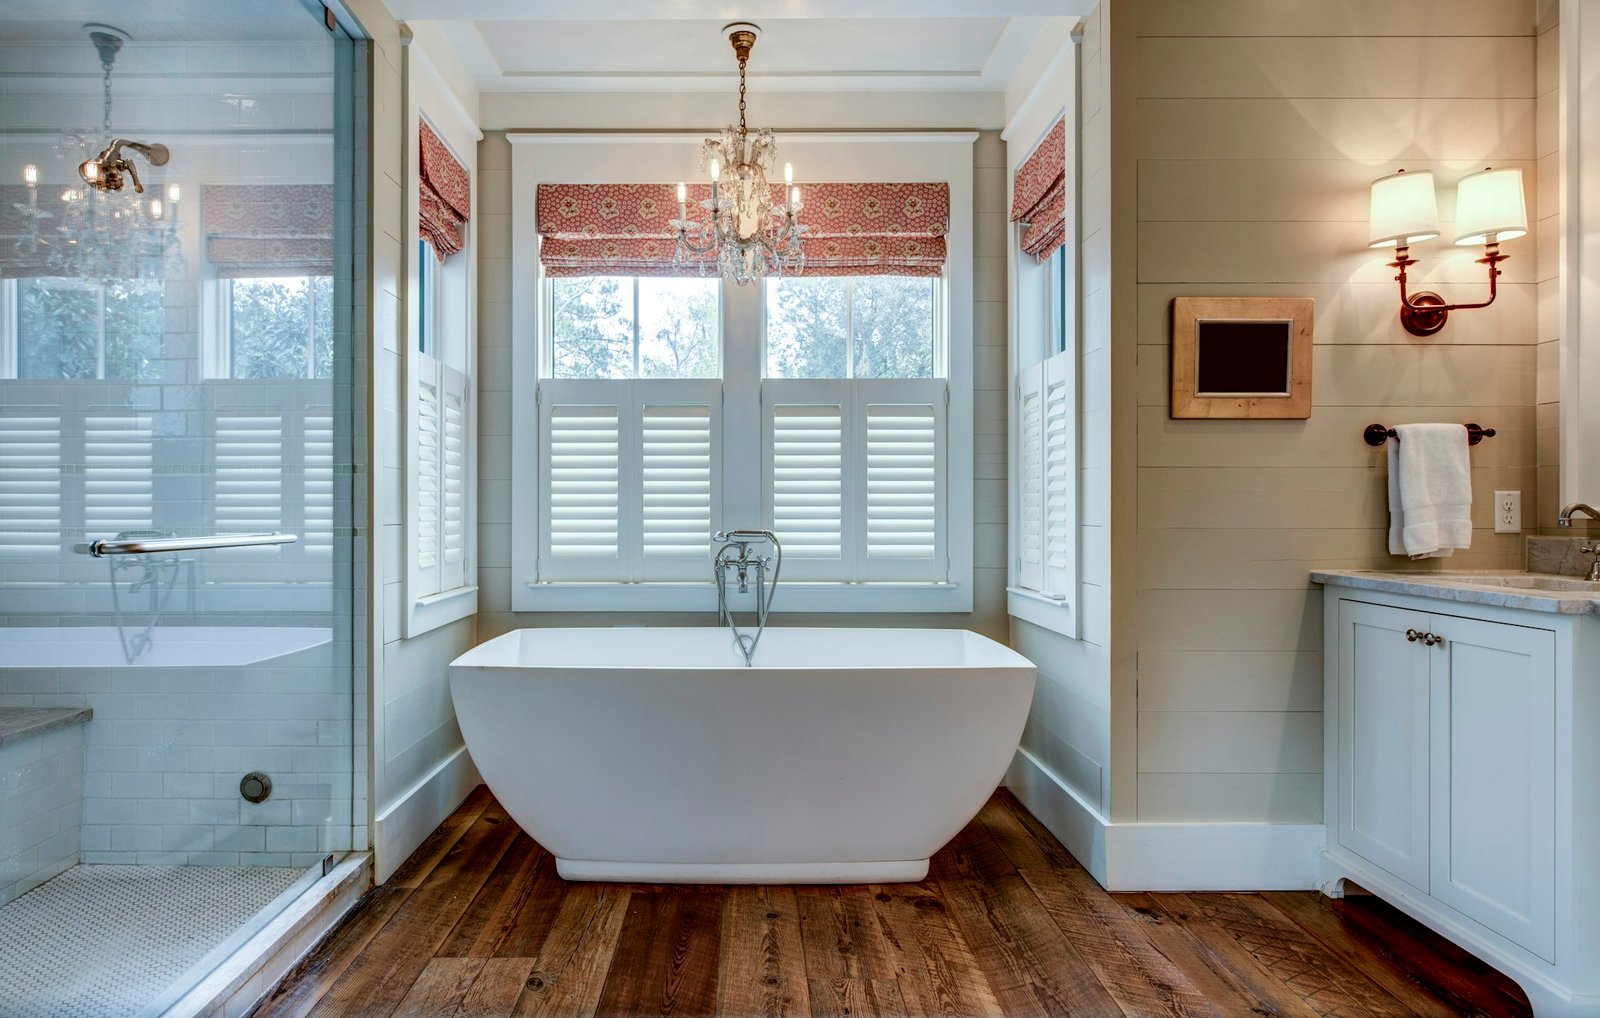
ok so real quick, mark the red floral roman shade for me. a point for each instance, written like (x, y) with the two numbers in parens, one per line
(444, 200)
(268, 229)
(854, 229)
(1039, 197)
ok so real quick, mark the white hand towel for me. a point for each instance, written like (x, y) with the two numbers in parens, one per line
(1430, 490)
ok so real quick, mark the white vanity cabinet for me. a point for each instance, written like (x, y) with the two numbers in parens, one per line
(1460, 781)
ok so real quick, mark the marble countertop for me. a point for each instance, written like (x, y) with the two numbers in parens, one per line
(18, 722)
(1487, 586)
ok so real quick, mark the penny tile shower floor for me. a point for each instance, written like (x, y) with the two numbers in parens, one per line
(106, 941)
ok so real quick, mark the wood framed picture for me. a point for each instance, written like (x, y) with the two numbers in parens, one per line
(1241, 357)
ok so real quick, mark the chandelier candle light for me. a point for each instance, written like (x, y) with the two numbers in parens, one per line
(751, 236)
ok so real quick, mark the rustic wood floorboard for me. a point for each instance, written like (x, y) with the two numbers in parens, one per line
(477, 924)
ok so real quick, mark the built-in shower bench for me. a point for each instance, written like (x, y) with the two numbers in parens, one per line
(41, 773)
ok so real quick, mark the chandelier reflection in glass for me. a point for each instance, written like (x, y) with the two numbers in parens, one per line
(95, 228)
(750, 235)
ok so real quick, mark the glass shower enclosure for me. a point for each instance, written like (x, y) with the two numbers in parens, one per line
(178, 555)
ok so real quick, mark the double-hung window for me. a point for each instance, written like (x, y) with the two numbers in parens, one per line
(670, 404)
(441, 582)
(630, 426)
(854, 439)
(1044, 406)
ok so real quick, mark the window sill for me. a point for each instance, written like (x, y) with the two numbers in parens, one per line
(434, 610)
(1035, 608)
(793, 596)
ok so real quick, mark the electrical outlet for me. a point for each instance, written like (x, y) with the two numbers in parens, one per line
(1508, 512)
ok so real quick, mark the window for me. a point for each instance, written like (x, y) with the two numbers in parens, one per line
(441, 565)
(279, 327)
(654, 404)
(634, 327)
(851, 327)
(79, 329)
(1056, 323)
(642, 443)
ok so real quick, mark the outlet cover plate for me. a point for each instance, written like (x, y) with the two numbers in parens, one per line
(1508, 512)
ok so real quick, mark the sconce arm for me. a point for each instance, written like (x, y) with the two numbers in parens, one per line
(1424, 313)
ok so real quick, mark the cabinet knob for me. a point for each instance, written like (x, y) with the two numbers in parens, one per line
(1412, 635)
(1432, 640)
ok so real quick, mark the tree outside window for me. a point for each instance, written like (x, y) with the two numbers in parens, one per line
(850, 327)
(81, 329)
(635, 327)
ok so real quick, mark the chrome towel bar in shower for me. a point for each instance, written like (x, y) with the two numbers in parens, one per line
(157, 546)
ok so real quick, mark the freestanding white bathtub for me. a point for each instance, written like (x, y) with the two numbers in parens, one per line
(655, 755)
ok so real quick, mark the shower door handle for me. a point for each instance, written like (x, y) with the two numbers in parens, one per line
(161, 545)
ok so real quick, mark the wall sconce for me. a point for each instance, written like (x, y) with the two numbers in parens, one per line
(1490, 208)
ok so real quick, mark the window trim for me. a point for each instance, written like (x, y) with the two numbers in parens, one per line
(631, 158)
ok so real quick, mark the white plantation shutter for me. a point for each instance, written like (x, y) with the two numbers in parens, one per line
(1047, 462)
(1030, 485)
(248, 475)
(453, 479)
(679, 472)
(904, 480)
(30, 485)
(806, 455)
(429, 483)
(629, 479)
(317, 466)
(855, 478)
(118, 474)
(580, 476)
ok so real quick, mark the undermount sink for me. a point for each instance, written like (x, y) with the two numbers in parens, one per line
(1521, 581)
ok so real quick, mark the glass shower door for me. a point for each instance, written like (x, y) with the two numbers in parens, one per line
(177, 548)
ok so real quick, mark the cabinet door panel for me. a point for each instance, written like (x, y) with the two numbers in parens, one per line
(1383, 739)
(1494, 777)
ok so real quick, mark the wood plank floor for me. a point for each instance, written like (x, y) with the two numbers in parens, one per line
(478, 923)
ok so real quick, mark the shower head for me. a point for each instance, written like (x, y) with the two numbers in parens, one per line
(105, 171)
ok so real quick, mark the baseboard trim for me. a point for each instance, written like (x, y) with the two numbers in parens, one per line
(1076, 824)
(1169, 857)
(399, 829)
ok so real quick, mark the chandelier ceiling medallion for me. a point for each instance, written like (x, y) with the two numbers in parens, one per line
(750, 235)
(100, 229)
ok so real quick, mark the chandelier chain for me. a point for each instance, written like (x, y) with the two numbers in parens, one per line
(742, 62)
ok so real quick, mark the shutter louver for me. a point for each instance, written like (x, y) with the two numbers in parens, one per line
(902, 481)
(429, 483)
(118, 475)
(675, 458)
(1057, 482)
(583, 474)
(808, 479)
(249, 473)
(453, 491)
(318, 466)
(30, 486)
(1030, 505)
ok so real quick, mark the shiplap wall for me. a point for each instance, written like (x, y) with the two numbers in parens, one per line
(1260, 124)
(1069, 727)
(495, 339)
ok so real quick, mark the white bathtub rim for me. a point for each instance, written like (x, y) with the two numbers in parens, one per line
(787, 873)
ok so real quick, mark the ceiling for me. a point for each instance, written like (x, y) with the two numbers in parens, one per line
(189, 21)
(678, 45)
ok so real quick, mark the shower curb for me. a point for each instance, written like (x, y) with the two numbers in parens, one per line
(240, 982)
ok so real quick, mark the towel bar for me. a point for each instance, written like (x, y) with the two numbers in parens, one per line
(1377, 434)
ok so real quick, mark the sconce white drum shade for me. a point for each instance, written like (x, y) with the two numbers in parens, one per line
(1490, 207)
(1404, 210)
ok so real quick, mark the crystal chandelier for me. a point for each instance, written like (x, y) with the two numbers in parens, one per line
(99, 229)
(750, 235)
